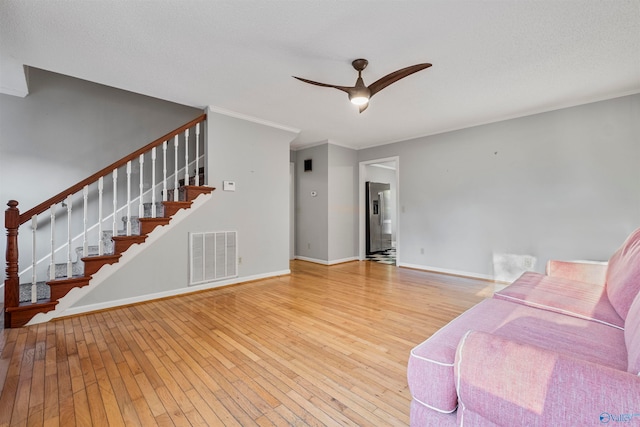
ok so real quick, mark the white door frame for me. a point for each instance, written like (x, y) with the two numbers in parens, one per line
(363, 212)
(292, 210)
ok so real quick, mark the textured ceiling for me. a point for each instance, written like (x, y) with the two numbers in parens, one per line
(492, 60)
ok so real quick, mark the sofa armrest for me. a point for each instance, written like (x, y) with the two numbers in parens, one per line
(581, 271)
(509, 383)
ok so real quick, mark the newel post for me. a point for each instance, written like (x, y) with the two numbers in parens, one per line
(12, 281)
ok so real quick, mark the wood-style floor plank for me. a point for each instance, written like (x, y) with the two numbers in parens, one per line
(324, 346)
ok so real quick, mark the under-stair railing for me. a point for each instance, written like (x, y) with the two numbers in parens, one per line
(181, 151)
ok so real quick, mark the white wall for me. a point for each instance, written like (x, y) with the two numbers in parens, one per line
(256, 157)
(563, 184)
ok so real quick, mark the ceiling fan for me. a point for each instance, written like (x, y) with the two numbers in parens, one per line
(360, 94)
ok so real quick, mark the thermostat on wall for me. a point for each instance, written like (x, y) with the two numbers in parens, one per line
(228, 185)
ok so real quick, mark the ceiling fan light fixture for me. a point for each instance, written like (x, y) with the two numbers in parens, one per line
(358, 99)
(359, 94)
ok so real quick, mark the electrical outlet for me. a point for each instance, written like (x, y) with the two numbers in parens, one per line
(239, 260)
(421, 251)
(308, 245)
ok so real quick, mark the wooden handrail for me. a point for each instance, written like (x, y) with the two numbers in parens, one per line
(26, 216)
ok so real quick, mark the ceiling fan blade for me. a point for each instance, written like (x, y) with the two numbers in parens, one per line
(311, 82)
(385, 81)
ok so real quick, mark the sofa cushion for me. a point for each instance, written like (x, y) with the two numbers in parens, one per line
(594, 272)
(430, 368)
(632, 336)
(623, 274)
(578, 299)
(504, 382)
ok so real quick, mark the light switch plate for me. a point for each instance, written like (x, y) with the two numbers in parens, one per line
(228, 185)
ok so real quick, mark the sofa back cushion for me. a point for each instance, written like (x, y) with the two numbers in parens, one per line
(623, 274)
(632, 337)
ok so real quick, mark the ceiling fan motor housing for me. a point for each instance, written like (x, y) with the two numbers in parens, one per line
(360, 64)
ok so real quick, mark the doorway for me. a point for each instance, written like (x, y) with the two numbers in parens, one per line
(382, 171)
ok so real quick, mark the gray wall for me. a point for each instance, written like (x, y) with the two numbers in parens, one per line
(326, 225)
(256, 157)
(312, 221)
(66, 129)
(342, 207)
(563, 184)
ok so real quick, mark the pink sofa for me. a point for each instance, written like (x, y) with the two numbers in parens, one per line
(555, 349)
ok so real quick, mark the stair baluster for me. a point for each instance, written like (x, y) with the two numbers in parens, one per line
(141, 187)
(100, 191)
(197, 181)
(186, 157)
(114, 224)
(34, 273)
(85, 220)
(164, 171)
(52, 264)
(128, 233)
(153, 183)
(175, 169)
(69, 239)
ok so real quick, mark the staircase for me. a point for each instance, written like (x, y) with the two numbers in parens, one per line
(25, 298)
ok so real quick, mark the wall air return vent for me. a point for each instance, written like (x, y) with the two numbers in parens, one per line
(213, 256)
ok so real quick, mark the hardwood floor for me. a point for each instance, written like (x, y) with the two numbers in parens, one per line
(325, 346)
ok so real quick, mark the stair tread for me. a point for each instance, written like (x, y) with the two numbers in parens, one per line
(28, 305)
(100, 257)
(66, 280)
(132, 237)
(204, 187)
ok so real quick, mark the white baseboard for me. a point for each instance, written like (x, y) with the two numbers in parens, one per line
(317, 261)
(447, 271)
(174, 292)
(325, 262)
(343, 260)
